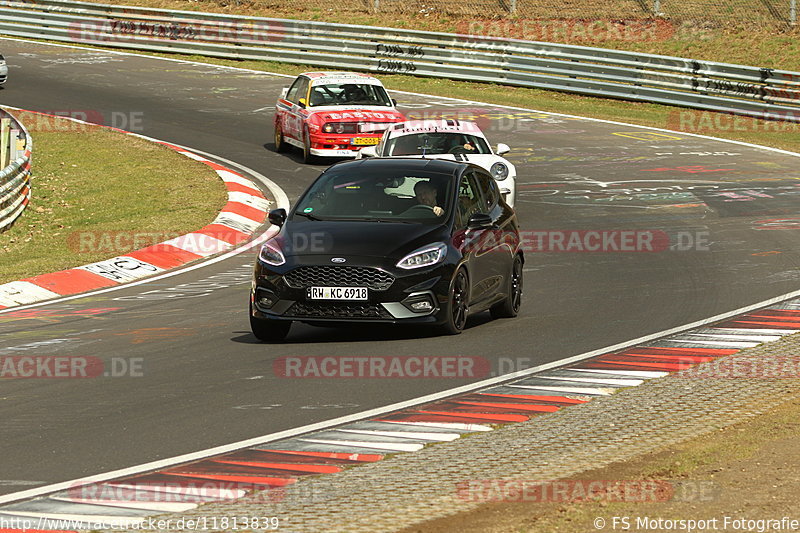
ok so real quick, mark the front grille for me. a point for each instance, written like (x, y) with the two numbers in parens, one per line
(339, 276)
(340, 127)
(327, 310)
(375, 127)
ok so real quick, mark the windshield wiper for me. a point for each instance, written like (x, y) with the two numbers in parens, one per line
(308, 216)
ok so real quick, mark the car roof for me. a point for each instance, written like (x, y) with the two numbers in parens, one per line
(326, 77)
(437, 125)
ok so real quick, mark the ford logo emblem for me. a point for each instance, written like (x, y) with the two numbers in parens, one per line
(338, 259)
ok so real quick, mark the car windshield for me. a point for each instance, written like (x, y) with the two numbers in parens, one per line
(340, 94)
(435, 143)
(391, 196)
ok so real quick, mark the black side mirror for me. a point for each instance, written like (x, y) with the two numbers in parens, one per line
(479, 221)
(277, 217)
(394, 102)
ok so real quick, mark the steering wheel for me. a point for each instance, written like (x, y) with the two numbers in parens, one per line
(418, 210)
(419, 207)
(458, 150)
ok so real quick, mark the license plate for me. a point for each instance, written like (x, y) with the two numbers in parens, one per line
(338, 293)
(366, 141)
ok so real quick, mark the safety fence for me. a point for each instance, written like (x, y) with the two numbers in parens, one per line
(745, 90)
(15, 169)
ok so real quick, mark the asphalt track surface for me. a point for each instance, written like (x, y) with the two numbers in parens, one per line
(205, 381)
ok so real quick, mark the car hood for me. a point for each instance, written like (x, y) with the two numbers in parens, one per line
(358, 113)
(356, 239)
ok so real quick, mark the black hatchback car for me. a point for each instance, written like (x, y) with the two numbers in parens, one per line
(416, 241)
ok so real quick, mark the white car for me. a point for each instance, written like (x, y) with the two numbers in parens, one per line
(447, 139)
(3, 70)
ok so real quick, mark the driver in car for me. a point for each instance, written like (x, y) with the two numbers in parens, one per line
(426, 195)
(354, 93)
(461, 145)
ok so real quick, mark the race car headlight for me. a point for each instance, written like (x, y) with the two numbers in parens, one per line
(334, 127)
(271, 254)
(499, 171)
(423, 257)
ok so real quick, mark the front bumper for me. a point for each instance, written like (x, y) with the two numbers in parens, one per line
(508, 188)
(333, 145)
(276, 297)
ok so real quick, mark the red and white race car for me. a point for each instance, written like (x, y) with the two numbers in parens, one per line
(333, 114)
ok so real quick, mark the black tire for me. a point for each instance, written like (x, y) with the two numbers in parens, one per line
(308, 158)
(509, 307)
(267, 330)
(280, 143)
(457, 304)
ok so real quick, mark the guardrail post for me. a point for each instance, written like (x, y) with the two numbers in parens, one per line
(793, 12)
(5, 142)
(656, 8)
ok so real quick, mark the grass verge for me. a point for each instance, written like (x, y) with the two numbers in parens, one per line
(98, 193)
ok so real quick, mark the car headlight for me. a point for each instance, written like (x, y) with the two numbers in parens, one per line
(425, 256)
(271, 254)
(334, 127)
(499, 171)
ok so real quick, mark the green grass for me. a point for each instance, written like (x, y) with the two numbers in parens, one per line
(95, 184)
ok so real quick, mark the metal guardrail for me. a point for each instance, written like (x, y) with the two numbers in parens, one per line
(15, 188)
(752, 91)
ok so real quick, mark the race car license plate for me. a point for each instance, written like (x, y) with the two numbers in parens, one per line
(365, 141)
(338, 293)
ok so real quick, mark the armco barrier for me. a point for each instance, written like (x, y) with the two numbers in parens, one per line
(15, 188)
(752, 91)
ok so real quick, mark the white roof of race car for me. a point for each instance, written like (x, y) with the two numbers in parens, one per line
(332, 78)
(439, 125)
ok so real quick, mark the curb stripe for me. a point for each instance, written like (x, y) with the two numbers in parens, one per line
(224, 233)
(244, 213)
(253, 213)
(70, 281)
(164, 256)
(23, 292)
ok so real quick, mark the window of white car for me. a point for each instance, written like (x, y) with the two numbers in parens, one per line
(435, 143)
